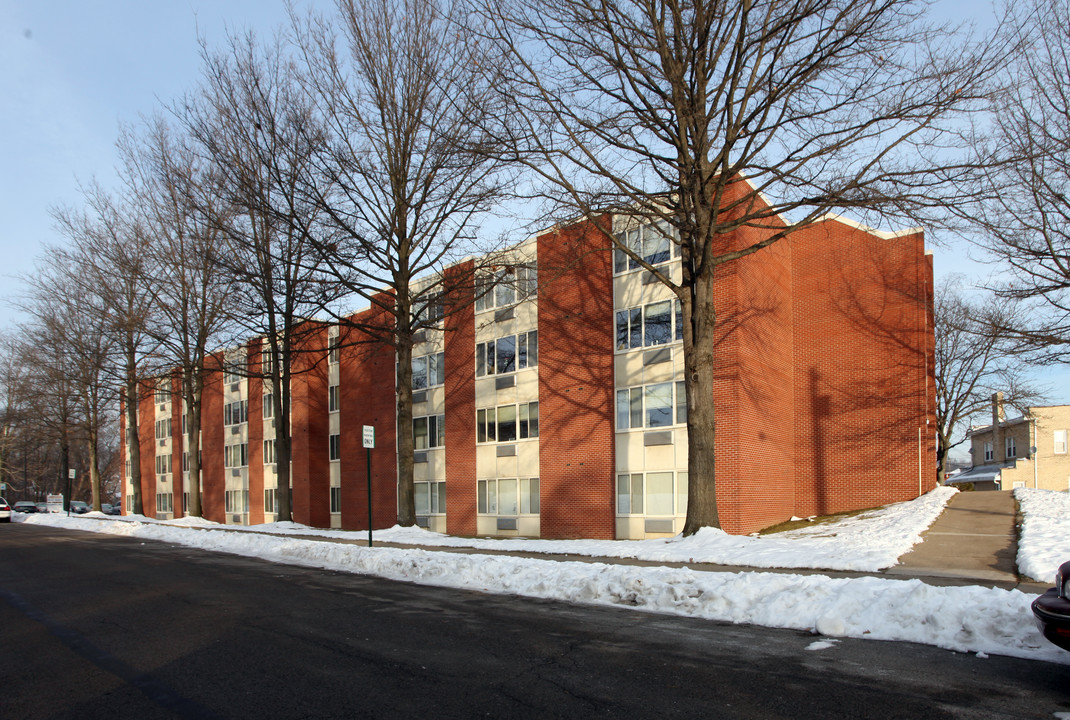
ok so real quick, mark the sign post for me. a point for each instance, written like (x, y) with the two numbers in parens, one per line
(70, 476)
(369, 443)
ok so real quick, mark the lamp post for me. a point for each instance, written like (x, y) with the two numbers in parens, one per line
(369, 443)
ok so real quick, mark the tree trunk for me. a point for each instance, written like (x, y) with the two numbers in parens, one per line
(406, 443)
(281, 390)
(699, 320)
(194, 399)
(133, 438)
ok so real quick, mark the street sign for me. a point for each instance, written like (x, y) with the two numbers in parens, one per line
(71, 474)
(3, 487)
(369, 436)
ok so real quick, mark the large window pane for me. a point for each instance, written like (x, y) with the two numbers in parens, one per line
(658, 326)
(529, 496)
(440, 498)
(481, 496)
(481, 425)
(658, 401)
(681, 493)
(507, 423)
(636, 408)
(419, 433)
(504, 290)
(623, 331)
(422, 497)
(419, 373)
(655, 246)
(492, 497)
(505, 360)
(481, 360)
(635, 334)
(507, 498)
(681, 403)
(623, 409)
(659, 497)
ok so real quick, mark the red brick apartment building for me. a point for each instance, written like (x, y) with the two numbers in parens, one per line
(555, 409)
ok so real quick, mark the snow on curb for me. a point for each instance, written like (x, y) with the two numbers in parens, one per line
(1044, 541)
(964, 619)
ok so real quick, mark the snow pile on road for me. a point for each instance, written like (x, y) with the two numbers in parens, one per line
(1044, 542)
(964, 619)
(867, 542)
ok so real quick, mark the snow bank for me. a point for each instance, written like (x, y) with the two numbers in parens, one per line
(964, 619)
(1044, 540)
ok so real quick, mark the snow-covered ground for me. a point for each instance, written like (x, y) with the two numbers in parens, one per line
(965, 619)
(1044, 540)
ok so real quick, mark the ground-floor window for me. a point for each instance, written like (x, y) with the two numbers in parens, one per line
(271, 500)
(508, 496)
(336, 499)
(430, 497)
(237, 501)
(652, 493)
(164, 503)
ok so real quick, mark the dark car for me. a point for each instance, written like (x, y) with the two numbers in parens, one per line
(1051, 611)
(25, 506)
(115, 509)
(79, 507)
(5, 511)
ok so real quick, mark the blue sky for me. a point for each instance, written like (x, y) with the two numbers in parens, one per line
(71, 72)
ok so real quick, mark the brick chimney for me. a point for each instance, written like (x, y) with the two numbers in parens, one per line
(998, 451)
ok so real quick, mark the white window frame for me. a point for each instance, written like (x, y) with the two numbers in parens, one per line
(489, 422)
(1010, 448)
(431, 368)
(334, 447)
(632, 402)
(989, 451)
(635, 498)
(491, 493)
(506, 286)
(332, 398)
(646, 240)
(434, 431)
(631, 323)
(430, 497)
(236, 455)
(525, 354)
(1059, 437)
(335, 499)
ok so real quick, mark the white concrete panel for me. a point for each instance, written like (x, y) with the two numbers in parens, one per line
(527, 459)
(506, 467)
(529, 526)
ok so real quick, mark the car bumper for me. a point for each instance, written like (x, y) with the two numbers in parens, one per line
(1052, 616)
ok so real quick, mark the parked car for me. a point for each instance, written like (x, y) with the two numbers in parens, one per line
(5, 511)
(1051, 611)
(115, 509)
(25, 506)
(79, 507)
(42, 507)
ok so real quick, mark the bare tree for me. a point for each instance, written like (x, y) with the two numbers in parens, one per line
(111, 254)
(404, 182)
(974, 358)
(726, 125)
(1026, 221)
(189, 288)
(258, 131)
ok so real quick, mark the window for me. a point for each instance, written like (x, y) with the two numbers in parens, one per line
(334, 447)
(332, 398)
(185, 462)
(508, 496)
(269, 405)
(989, 454)
(1060, 442)
(236, 413)
(508, 423)
(652, 494)
(271, 500)
(651, 406)
(237, 501)
(232, 370)
(649, 325)
(1010, 448)
(163, 464)
(428, 311)
(333, 354)
(164, 502)
(653, 242)
(428, 371)
(429, 432)
(430, 497)
(236, 455)
(507, 354)
(267, 364)
(163, 428)
(163, 393)
(269, 452)
(505, 286)
(185, 423)
(336, 499)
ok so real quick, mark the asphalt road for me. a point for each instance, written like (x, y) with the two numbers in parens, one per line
(96, 626)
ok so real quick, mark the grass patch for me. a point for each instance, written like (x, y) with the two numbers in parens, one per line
(819, 520)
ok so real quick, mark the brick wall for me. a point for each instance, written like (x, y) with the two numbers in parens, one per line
(147, 437)
(213, 499)
(460, 409)
(255, 361)
(310, 474)
(576, 434)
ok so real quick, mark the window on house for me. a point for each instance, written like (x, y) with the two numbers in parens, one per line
(163, 428)
(336, 499)
(236, 455)
(163, 393)
(1010, 447)
(185, 422)
(269, 452)
(507, 354)
(267, 365)
(332, 398)
(237, 501)
(505, 286)
(652, 242)
(163, 464)
(430, 497)
(333, 352)
(989, 454)
(269, 406)
(1060, 442)
(652, 494)
(508, 496)
(428, 371)
(185, 462)
(649, 326)
(651, 406)
(164, 502)
(429, 432)
(334, 447)
(508, 423)
(429, 311)
(271, 500)
(232, 370)
(236, 413)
